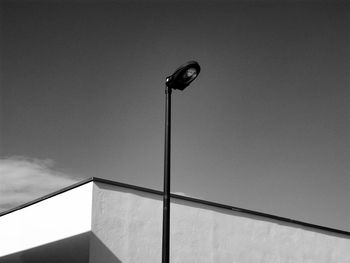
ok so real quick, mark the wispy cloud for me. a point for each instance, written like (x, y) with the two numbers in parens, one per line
(180, 193)
(24, 179)
(186, 195)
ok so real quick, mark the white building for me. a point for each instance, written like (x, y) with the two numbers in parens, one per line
(103, 221)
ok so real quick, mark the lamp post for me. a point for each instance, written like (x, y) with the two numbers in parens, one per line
(180, 79)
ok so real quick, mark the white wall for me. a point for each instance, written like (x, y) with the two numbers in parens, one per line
(126, 223)
(127, 227)
(64, 215)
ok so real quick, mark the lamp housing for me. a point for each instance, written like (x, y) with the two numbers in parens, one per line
(183, 76)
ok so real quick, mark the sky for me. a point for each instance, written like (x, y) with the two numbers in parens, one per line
(264, 127)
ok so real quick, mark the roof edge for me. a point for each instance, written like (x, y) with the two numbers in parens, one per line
(186, 198)
(226, 207)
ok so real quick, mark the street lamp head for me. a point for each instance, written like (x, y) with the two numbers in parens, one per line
(183, 76)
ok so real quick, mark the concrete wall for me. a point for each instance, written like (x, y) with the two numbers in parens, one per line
(126, 223)
(64, 215)
(127, 227)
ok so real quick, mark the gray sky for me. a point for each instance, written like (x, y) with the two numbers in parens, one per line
(264, 127)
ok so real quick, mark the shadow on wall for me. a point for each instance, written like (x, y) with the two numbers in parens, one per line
(100, 253)
(71, 249)
(82, 248)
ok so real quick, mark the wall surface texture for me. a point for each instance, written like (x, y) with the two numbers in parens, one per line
(127, 227)
(98, 222)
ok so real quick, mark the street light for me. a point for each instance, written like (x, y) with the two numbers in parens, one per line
(180, 79)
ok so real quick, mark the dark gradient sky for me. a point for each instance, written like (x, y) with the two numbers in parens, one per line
(265, 126)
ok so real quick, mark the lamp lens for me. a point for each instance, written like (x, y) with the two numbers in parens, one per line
(191, 73)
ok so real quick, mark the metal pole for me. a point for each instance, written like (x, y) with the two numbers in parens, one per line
(166, 192)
